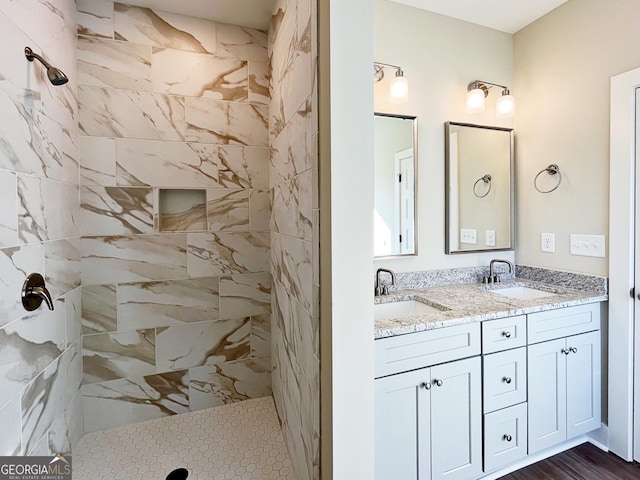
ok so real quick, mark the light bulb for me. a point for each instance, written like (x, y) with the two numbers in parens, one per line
(475, 101)
(505, 106)
(399, 89)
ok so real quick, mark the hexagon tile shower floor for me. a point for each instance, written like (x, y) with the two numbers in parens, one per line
(240, 441)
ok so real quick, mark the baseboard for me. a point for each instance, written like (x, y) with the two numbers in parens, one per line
(536, 457)
(600, 438)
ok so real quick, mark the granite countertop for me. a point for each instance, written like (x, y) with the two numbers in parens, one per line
(475, 302)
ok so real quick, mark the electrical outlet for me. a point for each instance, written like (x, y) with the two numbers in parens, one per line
(588, 245)
(469, 235)
(490, 238)
(548, 242)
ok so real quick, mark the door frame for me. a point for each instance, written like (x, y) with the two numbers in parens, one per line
(622, 180)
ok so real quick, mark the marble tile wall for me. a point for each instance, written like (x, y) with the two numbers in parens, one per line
(293, 131)
(176, 298)
(40, 351)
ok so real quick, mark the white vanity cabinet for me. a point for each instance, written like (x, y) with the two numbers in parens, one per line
(564, 389)
(429, 420)
(454, 402)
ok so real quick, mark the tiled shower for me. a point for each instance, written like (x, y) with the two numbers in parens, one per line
(174, 213)
(169, 195)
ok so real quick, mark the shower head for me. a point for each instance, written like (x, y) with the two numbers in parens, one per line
(55, 75)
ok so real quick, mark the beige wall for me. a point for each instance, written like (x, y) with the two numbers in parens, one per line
(562, 67)
(439, 56)
(346, 177)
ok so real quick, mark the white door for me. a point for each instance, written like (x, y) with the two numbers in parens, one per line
(405, 198)
(636, 396)
(401, 433)
(583, 384)
(456, 420)
(624, 194)
(547, 390)
(624, 269)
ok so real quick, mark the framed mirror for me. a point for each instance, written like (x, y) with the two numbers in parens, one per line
(395, 167)
(479, 188)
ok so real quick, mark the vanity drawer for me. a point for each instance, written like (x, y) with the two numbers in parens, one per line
(504, 378)
(563, 322)
(505, 436)
(416, 350)
(504, 333)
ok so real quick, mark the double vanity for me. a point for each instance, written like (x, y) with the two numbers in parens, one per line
(473, 378)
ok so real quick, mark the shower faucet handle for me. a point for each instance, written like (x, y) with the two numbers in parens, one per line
(34, 292)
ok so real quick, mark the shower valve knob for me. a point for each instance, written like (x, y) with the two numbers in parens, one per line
(34, 292)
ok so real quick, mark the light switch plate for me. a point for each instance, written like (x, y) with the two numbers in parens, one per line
(588, 245)
(490, 238)
(469, 235)
(548, 242)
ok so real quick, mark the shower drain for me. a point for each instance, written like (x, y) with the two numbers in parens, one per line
(178, 474)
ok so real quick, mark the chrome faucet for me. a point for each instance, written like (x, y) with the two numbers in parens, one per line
(384, 289)
(494, 277)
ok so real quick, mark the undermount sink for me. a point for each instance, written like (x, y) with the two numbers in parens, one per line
(406, 308)
(522, 293)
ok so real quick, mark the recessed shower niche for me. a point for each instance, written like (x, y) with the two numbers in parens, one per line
(182, 210)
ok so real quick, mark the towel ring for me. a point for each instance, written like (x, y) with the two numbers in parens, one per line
(485, 179)
(552, 169)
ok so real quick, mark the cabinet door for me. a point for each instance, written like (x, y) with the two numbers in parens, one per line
(583, 384)
(402, 426)
(456, 420)
(547, 392)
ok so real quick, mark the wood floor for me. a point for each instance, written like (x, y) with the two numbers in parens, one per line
(584, 462)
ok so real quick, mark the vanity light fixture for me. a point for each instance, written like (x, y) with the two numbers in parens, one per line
(399, 88)
(479, 89)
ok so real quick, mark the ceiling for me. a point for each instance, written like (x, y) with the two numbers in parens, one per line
(505, 15)
(248, 13)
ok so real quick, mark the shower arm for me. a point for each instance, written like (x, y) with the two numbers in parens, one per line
(30, 54)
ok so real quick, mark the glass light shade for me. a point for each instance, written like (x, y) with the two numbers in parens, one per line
(399, 90)
(505, 106)
(475, 100)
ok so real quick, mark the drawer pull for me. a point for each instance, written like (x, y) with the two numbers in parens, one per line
(506, 334)
(507, 437)
(426, 386)
(506, 379)
(565, 351)
(438, 382)
(573, 349)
